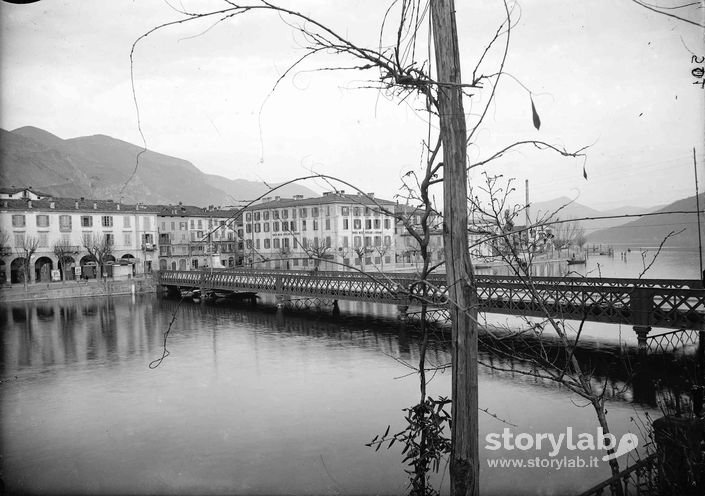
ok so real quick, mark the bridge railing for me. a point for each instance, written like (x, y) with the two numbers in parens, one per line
(639, 302)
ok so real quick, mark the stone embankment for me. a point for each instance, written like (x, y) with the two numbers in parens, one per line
(77, 289)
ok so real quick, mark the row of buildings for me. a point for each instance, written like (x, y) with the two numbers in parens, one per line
(43, 238)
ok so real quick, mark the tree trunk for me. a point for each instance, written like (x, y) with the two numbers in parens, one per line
(464, 463)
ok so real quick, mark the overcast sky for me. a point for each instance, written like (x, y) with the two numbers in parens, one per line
(605, 73)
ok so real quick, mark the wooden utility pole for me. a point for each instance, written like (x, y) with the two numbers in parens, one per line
(464, 462)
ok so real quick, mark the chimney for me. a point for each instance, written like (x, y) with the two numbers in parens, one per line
(266, 199)
(371, 195)
(277, 198)
(29, 203)
(298, 197)
(76, 204)
(95, 206)
(83, 199)
(118, 206)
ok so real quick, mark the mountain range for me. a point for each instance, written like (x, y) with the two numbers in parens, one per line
(99, 166)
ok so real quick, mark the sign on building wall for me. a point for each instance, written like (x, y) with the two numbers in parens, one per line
(55, 275)
(77, 271)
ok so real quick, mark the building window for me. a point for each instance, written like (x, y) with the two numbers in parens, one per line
(357, 241)
(368, 223)
(257, 216)
(314, 212)
(64, 222)
(107, 221)
(315, 224)
(356, 211)
(293, 213)
(183, 226)
(345, 241)
(368, 241)
(303, 225)
(276, 243)
(275, 214)
(266, 227)
(327, 210)
(43, 239)
(267, 243)
(357, 224)
(327, 224)
(248, 244)
(345, 211)
(378, 224)
(285, 242)
(193, 224)
(126, 221)
(109, 239)
(265, 215)
(257, 244)
(285, 213)
(200, 223)
(346, 224)
(378, 240)
(303, 212)
(248, 228)
(42, 221)
(387, 223)
(328, 243)
(18, 221)
(86, 221)
(285, 225)
(127, 239)
(248, 217)
(258, 227)
(173, 226)
(275, 226)
(292, 224)
(87, 238)
(19, 239)
(387, 241)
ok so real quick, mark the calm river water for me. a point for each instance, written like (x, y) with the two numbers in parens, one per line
(249, 401)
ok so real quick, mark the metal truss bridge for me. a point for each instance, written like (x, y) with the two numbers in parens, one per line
(642, 303)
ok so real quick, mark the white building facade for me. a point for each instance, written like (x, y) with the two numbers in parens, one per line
(34, 228)
(336, 231)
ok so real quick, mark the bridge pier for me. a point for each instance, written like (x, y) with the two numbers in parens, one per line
(402, 309)
(282, 300)
(642, 333)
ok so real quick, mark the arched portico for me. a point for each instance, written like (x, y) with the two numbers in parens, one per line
(42, 269)
(17, 274)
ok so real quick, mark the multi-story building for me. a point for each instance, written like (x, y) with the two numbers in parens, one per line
(54, 238)
(193, 237)
(333, 232)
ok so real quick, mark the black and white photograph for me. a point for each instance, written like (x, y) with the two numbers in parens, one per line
(374, 247)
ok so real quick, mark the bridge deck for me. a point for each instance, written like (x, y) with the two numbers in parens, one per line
(665, 303)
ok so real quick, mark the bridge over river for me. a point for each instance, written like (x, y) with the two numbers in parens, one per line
(641, 303)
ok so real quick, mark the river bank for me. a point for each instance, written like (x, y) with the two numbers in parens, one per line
(77, 289)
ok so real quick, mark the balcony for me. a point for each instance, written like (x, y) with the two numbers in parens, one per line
(148, 247)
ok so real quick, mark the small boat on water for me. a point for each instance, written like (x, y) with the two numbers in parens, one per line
(576, 261)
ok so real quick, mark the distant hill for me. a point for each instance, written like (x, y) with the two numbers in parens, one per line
(651, 230)
(98, 167)
(565, 208)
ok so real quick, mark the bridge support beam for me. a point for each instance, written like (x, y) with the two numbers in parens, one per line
(642, 333)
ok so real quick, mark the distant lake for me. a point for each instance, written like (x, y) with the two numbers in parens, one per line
(627, 261)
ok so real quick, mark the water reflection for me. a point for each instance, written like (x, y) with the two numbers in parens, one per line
(250, 400)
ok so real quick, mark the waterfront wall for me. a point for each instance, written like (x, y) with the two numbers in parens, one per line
(77, 289)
